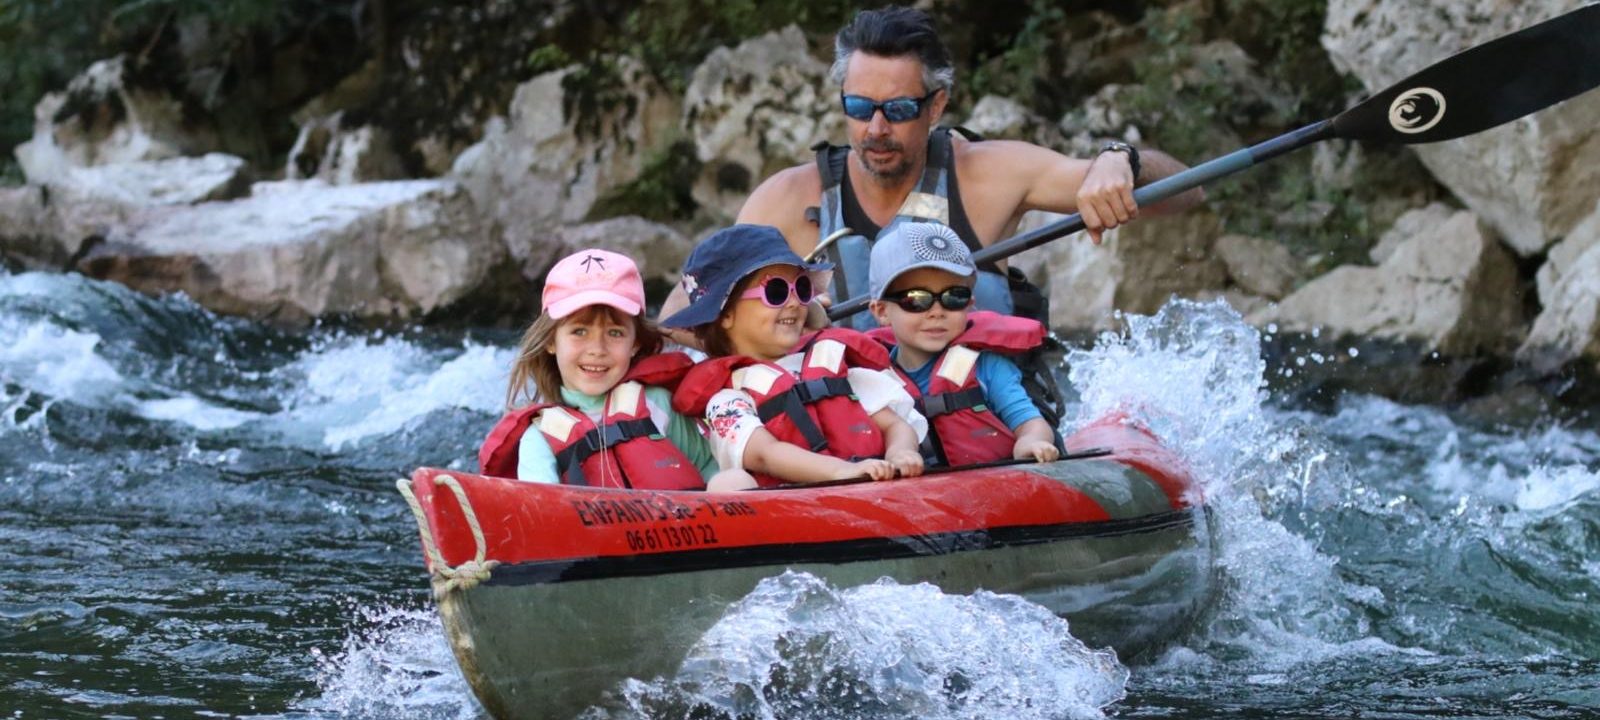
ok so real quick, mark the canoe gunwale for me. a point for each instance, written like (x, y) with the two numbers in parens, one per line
(835, 552)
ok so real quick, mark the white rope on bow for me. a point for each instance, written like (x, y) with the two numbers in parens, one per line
(467, 575)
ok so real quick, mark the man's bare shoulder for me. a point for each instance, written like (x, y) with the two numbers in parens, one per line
(774, 199)
(1003, 155)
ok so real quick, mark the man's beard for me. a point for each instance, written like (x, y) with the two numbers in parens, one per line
(889, 174)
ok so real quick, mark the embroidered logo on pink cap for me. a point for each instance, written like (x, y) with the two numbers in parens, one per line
(593, 277)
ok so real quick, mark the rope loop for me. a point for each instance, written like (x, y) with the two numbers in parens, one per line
(445, 578)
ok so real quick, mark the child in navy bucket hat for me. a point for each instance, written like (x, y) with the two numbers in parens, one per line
(951, 360)
(783, 406)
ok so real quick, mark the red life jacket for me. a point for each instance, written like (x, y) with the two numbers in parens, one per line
(815, 411)
(961, 428)
(625, 450)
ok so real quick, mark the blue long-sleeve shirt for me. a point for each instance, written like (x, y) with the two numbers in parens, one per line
(1001, 382)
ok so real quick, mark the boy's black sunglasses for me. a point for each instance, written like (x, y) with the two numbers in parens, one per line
(920, 300)
(895, 110)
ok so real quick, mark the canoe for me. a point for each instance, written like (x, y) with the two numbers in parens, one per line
(552, 594)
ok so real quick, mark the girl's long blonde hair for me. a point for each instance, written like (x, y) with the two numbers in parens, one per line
(536, 364)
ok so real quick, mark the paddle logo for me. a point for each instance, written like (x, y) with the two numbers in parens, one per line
(1416, 110)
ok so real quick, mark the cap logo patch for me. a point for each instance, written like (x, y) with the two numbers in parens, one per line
(937, 242)
(691, 287)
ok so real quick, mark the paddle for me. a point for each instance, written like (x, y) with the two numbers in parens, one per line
(1469, 92)
(1085, 454)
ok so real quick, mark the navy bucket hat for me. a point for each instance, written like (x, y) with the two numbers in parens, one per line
(718, 263)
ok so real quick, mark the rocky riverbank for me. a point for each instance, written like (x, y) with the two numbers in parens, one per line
(1477, 254)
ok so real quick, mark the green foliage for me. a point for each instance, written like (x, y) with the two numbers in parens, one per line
(44, 43)
(592, 91)
(660, 193)
(1285, 36)
(1282, 201)
(1197, 110)
(546, 58)
(1186, 106)
(1028, 61)
(673, 36)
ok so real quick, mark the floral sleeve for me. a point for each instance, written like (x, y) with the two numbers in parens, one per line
(732, 419)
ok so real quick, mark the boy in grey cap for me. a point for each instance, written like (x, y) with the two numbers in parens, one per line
(921, 280)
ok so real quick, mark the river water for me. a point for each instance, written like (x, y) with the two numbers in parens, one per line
(198, 519)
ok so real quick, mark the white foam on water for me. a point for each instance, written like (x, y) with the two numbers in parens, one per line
(353, 389)
(194, 412)
(58, 363)
(46, 356)
(1546, 491)
(1499, 466)
(396, 664)
(55, 361)
(798, 647)
(1193, 373)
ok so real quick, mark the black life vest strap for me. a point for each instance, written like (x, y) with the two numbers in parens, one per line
(932, 406)
(572, 458)
(788, 403)
(816, 389)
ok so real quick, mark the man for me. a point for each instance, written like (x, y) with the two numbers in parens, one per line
(895, 76)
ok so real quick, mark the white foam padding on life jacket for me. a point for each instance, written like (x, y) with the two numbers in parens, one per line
(959, 360)
(924, 205)
(828, 355)
(557, 423)
(625, 397)
(755, 377)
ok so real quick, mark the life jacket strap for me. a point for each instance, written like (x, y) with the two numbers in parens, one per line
(789, 403)
(597, 440)
(816, 389)
(932, 406)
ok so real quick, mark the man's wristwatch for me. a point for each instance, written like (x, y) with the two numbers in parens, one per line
(1122, 147)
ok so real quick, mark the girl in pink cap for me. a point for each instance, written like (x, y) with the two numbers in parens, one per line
(600, 411)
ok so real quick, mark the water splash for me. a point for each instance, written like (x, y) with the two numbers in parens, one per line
(355, 388)
(797, 647)
(398, 664)
(1194, 374)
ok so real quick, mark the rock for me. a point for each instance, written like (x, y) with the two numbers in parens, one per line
(173, 181)
(1137, 269)
(1101, 115)
(545, 166)
(1002, 118)
(1259, 267)
(755, 109)
(1533, 179)
(43, 227)
(296, 250)
(1408, 226)
(1242, 302)
(1452, 287)
(658, 249)
(328, 152)
(1568, 327)
(101, 119)
(1336, 164)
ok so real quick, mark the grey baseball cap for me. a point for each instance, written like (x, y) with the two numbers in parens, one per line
(907, 246)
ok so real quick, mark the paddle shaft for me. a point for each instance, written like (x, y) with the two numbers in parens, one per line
(1146, 195)
(1084, 454)
(1469, 92)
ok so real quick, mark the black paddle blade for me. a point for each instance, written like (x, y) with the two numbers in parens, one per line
(1493, 83)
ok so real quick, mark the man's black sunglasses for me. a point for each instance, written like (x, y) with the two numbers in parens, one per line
(920, 300)
(895, 110)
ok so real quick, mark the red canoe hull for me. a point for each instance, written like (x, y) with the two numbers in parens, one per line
(1115, 544)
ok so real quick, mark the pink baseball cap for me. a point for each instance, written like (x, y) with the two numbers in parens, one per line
(593, 277)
